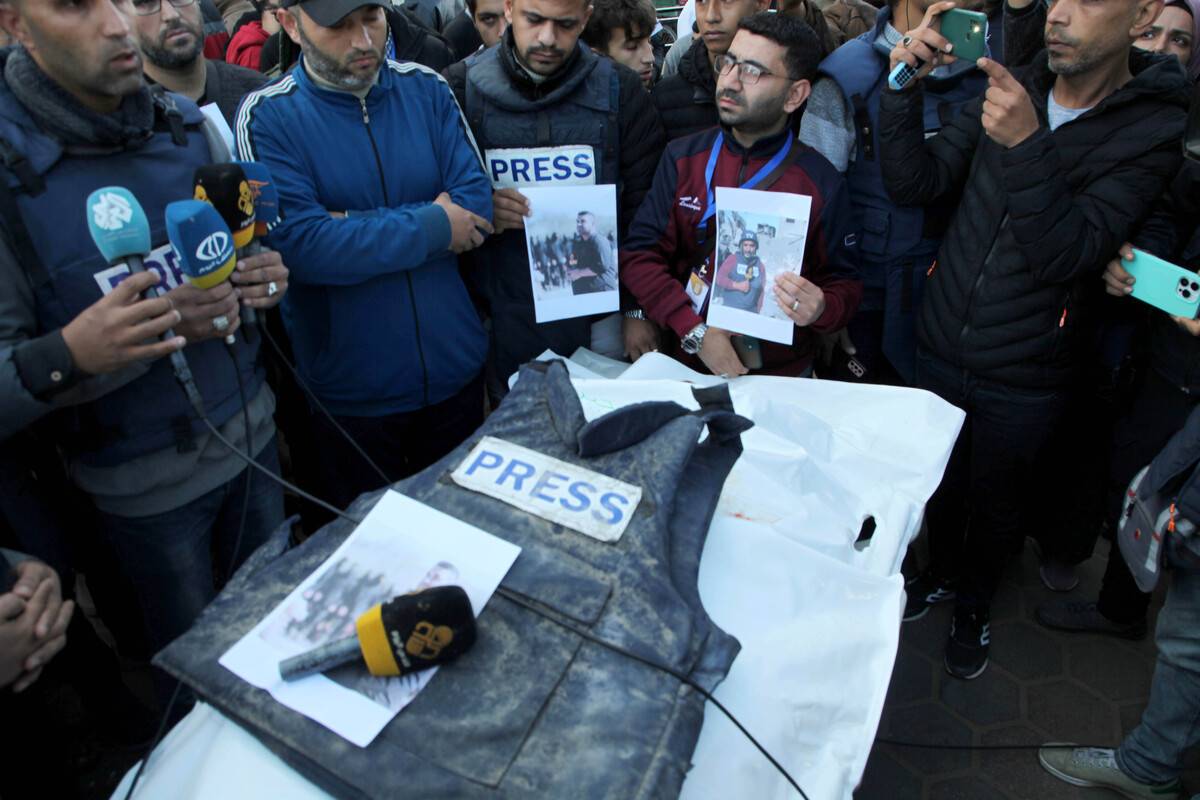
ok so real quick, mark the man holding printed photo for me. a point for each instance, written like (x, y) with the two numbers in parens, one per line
(763, 78)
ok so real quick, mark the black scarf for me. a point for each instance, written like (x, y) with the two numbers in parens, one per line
(60, 114)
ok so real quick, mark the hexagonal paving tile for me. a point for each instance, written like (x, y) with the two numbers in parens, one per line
(990, 699)
(1067, 712)
(1006, 604)
(1018, 774)
(885, 777)
(928, 634)
(1114, 672)
(965, 788)
(928, 723)
(912, 678)
(1026, 650)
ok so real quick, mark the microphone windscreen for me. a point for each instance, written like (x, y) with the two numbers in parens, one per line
(262, 189)
(416, 631)
(202, 242)
(226, 188)
(117, 224)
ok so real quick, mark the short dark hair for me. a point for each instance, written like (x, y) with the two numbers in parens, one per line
(802, 47)
(636, 17)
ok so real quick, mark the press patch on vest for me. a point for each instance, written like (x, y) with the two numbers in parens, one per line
(588, 502)
(162, 260)
(519, 167)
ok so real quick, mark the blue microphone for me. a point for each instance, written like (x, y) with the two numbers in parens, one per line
(118, 226)
(203, 244)
(121, 232)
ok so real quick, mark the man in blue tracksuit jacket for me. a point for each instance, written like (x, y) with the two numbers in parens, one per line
(380, 185)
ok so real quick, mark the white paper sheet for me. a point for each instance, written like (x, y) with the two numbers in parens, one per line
(400, 546)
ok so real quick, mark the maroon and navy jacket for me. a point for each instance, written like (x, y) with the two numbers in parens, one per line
(662, 245)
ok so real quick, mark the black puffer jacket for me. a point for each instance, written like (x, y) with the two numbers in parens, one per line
(1033, 220)
(1175, 353)
(685, 101)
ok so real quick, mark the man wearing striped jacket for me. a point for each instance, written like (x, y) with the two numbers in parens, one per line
(380, 185)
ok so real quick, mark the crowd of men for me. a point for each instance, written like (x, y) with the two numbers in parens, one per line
(967, 236)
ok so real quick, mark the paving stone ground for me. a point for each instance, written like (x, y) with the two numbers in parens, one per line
(1040, 686)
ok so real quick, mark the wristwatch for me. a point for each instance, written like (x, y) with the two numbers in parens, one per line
(635, 313)
(692, 342)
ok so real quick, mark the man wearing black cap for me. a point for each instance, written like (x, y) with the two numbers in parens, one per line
(542, 95)
(380, 187)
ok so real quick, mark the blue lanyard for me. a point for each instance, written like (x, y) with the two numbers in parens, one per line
(766, 170)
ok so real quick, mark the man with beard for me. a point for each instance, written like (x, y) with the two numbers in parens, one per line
(380, 187)
(79, 346)
(763, 78)
(591, 258)
(548, 111)
(1048, 174)
(741, 276)
(685, 100)
(172, 40)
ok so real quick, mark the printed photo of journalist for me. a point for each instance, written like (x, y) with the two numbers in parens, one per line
(573, 254)
(751, 250)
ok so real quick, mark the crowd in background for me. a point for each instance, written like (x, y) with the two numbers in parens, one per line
(969, 236)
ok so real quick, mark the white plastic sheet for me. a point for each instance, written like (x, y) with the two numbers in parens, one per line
(818, 617)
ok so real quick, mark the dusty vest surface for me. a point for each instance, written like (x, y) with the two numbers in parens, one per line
(533, 710)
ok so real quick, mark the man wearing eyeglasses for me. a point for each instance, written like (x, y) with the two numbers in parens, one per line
(685, 100)
(79, 346)
(762, 79)
(170, 35)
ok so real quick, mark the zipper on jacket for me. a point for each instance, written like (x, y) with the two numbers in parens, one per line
(966, 326)
(407, 274)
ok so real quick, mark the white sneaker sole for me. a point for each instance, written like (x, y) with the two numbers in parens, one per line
(1062, 776)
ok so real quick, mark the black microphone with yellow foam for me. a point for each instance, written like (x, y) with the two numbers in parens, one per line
(407, 634)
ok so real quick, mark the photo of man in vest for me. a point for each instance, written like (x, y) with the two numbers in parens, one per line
(593, 263)
(79, 349)
(544, 92)
(741, 276)
(763, 79)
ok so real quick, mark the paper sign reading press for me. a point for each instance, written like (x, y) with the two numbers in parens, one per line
(576, 498)
(522, 167)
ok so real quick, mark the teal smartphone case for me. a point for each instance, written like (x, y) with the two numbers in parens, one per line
(967, 31)
(1164, 285)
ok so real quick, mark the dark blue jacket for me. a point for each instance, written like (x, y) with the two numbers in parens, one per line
(379, 317)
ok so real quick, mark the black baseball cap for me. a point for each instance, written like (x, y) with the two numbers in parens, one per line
(328, 13)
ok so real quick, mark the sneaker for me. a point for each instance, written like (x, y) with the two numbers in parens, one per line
(924, 591)
(1058, 576)
(1076, 616)
(1096, 766)
(967, 647)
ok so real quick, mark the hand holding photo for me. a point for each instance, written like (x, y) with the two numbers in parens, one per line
(572, 241)
(761, 235)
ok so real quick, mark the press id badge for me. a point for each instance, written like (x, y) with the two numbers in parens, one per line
(697, 289)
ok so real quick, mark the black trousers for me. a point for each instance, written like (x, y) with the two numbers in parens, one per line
(977, 517)
(1159, 410)
(400, 444)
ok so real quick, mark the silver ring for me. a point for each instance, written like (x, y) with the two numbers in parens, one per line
(724, 375)
(220, 324)
(906, 41)
(795, 304)
(272, 289)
